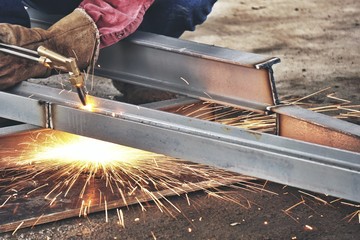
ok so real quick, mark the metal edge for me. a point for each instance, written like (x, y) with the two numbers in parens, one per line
(21, 128)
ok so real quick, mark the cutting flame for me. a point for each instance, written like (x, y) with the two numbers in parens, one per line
(66, 148)
(90, 104)
(87, 150)
(89, 107)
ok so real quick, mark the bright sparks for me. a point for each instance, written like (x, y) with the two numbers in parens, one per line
(84, 150)
(92, 175)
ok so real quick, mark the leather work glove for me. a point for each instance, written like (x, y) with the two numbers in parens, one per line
(75, 36)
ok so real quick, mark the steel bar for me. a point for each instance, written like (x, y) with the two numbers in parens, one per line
(196, 70)
(192, 69)
(296, 163)
(19, 51)
(302, 124)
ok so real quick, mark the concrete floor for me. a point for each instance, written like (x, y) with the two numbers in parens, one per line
(318, 45)
(317, 42)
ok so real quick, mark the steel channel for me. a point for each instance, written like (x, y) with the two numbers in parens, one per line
(196, 70)
(296, 163)
(297, 123)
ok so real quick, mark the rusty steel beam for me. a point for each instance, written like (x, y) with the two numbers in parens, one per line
(297, 123)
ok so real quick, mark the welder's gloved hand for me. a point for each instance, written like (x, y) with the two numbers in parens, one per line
(75, 36)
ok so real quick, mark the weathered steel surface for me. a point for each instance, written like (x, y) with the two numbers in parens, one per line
(309, 126)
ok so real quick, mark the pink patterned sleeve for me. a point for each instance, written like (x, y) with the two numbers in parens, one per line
(115, 19)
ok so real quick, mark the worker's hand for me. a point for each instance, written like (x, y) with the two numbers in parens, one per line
(73, 36)
(15, 69)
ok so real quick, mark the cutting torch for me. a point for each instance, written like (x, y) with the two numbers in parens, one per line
(52, 60)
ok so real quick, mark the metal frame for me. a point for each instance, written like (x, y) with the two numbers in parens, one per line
(246, 80)
(328, 170)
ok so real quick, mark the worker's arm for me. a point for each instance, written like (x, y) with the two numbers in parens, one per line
(96, 23)
(115, 19)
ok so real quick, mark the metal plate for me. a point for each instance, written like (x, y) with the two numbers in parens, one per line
(32, 194)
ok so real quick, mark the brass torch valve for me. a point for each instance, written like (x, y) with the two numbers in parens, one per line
(56, 61)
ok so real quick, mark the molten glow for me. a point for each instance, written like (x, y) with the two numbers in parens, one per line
(83, 152)
(86, 150)
(90, 104)
(89, 107)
